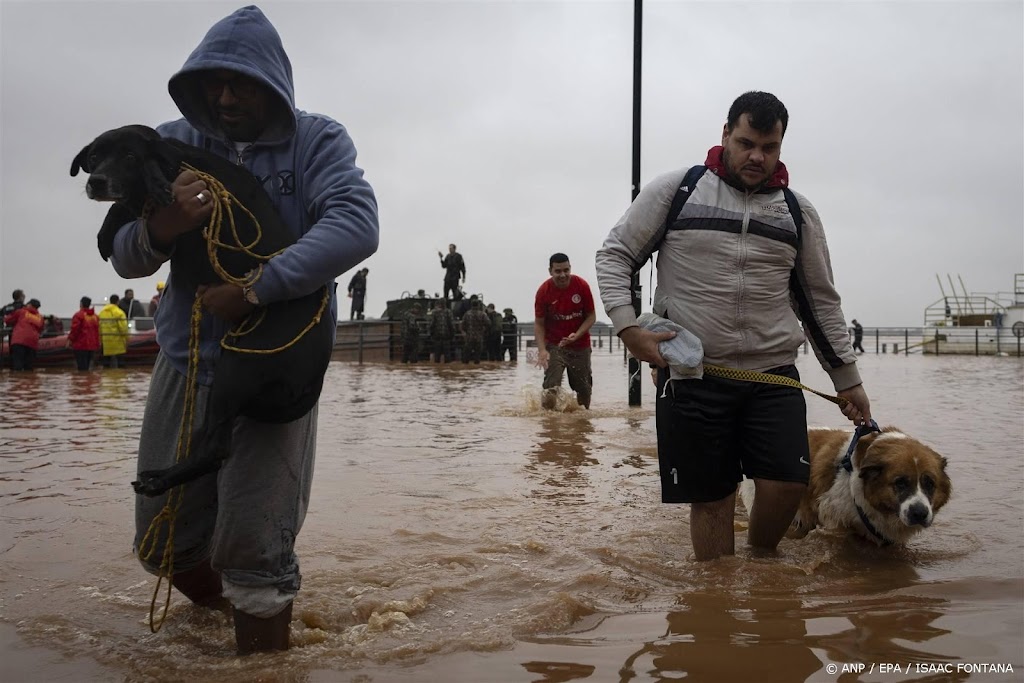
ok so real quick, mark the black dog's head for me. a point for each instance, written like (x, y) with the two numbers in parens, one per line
(126, 166)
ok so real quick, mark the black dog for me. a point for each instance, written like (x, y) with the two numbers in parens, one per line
(133, 164)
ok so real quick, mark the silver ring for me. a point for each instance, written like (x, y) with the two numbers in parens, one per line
(201, 197)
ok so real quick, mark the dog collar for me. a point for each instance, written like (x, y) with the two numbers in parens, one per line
(847, 464)
(871, 527)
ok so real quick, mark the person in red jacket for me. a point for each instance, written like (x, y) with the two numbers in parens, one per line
(28, 325)
(84, 338)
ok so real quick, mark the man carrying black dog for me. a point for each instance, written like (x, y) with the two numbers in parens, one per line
(235, 532)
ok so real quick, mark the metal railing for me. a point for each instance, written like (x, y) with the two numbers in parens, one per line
(380, 340)
(964, 311)
(974, 341)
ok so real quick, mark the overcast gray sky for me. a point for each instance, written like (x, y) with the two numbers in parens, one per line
(505, 127)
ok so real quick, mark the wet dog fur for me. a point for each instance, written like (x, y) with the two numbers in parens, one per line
(896, 486)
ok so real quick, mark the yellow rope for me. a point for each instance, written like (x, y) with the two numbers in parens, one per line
(242, 332)
(168, 514)
(223, 207)
(765, 378)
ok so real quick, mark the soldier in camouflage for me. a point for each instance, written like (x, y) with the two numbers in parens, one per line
(442, 331)
(492, 341)
(509, 331)
(411, 334)
(475, 325)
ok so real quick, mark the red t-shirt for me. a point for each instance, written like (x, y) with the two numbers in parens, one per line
(562, 310)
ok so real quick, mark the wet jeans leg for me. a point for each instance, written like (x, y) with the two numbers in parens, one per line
(581, 380)
(195, 519)
(263, 495)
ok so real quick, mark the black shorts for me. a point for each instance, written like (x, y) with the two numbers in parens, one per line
(714, 430)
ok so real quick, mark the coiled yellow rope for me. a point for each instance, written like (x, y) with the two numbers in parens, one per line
(212, 232)
(765, 378)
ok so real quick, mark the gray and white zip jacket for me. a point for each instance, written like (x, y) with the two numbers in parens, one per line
(729, 271)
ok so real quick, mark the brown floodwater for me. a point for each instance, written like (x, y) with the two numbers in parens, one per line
(458, 532)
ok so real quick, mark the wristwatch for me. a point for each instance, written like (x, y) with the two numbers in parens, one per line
(250, 295)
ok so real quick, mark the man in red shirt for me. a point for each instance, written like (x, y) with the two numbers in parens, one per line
(564, 310)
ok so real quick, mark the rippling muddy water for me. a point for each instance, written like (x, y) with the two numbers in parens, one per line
(458, 532)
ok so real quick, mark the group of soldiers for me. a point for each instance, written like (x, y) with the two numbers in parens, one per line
(485, 334)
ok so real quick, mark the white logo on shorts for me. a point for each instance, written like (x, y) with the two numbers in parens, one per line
(576, 298)
(804, 460)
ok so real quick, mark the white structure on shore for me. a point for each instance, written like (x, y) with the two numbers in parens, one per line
(976, 323)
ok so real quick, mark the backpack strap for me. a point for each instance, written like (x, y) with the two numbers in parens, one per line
(795, 212)
(697, 172)
(685, 190)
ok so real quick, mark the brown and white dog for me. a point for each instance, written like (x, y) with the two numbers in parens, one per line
(890, 489)
(887, 490)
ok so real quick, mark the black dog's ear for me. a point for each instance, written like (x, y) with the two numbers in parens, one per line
(81, 161)
(158, 172)
(117, 216)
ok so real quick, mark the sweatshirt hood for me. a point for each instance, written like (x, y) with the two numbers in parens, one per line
(780, 178)
(245, 42)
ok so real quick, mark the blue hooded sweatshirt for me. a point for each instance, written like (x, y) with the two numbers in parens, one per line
(306, 163)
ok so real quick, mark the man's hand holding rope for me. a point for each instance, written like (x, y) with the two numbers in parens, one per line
(190, 209)
(858, 407)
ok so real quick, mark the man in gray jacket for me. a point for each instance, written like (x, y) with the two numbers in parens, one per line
(742, 271)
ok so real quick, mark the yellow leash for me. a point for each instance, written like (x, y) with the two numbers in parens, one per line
(222, 208)
(765, 378)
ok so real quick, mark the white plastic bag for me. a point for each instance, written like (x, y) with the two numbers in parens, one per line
(684, 352)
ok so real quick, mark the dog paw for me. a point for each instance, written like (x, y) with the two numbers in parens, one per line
(149, 484)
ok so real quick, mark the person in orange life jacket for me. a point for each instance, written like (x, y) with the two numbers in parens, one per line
(27, 326)
(744, 266)
(563, 315)
(84, 337)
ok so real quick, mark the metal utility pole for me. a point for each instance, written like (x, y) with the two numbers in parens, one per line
(634, 285)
